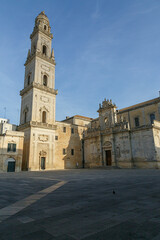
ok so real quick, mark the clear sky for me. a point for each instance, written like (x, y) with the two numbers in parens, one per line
(103, 49)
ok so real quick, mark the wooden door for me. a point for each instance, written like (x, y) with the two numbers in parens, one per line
(11, 167)
(108, 158)
(43, 162)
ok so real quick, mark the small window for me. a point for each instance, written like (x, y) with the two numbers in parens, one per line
(11, 147)
(44, 50)
(64, 151)
(136, 122)
(44, 117)
(64, 129)
(29, 79)
(72, 130)
(56, 137)
(25, 117)
(14, 147)
(44, 80)
(72, 152)
(152, 118)
(45, 27)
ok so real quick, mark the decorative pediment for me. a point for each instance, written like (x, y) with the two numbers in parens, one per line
(106, 104)
(43, 109)
(107, 144)
(42, 153)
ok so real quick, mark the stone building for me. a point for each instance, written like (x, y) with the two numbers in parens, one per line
(47, 144)
(128, 137)
(11, 147)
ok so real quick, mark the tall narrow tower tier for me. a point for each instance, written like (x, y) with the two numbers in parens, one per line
(38, 98)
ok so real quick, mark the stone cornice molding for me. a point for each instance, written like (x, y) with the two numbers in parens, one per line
(38, 86)
(37, 125)
(42, 56)
(40, 29)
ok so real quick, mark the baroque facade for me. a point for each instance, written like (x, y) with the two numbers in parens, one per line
(126, 138)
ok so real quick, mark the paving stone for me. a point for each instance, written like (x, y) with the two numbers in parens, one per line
(84, 208)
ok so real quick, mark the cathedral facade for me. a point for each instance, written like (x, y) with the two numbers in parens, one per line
(124, 138)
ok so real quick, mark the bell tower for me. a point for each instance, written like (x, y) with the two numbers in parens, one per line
(38, 98)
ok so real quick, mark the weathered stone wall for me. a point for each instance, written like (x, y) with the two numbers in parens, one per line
(11, 137)
(68, 141)
(92, 152)
(26, 105)
(143, 148)
(156, 136)
(43, 101)
(143, 113)
(122, 149)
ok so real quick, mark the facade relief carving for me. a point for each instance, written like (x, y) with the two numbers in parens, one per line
(107, 144)
(44, 99)
(43, 153)
(43, 138)
(44, 67)
(43, 109)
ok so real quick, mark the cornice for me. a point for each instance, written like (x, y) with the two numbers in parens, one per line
(42, 56)
(40, 87)
(37, 125)
(40, 29)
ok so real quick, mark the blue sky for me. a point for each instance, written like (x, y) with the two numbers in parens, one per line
(103, 49)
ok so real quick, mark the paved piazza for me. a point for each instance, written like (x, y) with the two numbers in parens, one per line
(80, 204)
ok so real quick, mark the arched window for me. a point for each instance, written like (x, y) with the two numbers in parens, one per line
(29, 79)
(45, 80)
(25, 117)
(44, 50)
(152, 118)
(43, 117)
(45, 27)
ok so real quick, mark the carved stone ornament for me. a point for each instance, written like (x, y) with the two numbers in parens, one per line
(43, 138)
(44, 99)
(43, 109)
(107, 144)
(44, 67)
(42, 153)
(107, 104)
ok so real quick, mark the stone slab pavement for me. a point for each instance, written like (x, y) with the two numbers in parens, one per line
(88, 204)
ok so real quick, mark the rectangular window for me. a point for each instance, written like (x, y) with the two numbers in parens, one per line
(11, 147)
(64, 129)
(64, 151)
(14, 147)
(72, 152)
(152, 117)
(72, 130)
(56, 137)
(136, 122)
(25, 117)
